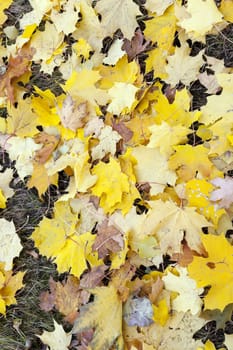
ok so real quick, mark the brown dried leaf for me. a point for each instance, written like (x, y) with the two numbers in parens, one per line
(120, 279)
(185, 257)
(17, 66)
(170, 93)
(49, 142)
(135, 46)
(64, 296)
(92, 278)
(67, 296)
(109, 240)
(156, 289)
(122, 129)
(47, 301)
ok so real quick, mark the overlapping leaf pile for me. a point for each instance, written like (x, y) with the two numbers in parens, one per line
(139, 119)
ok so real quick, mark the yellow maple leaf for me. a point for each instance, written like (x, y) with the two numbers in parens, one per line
(126, 11)
(188, 160)
(176, 113)
(2, 200)
(75, 252)
(185, 72)
(198, 195)
(90, 28)
(10, 245)
(110, 185)
(82, 84)
(227, 10)
(161, 312)
(216, 271)
(50, 236)
(152, 167)
(57, 339)
(22, 120)
(158, 6)
(43, 105)
(170, 224)
(219, 105)
(139, 125)
(3, 6)
(46, 44)
(208, 346)
(165, 136)
(200, 17)
(9, 285)
(161, 30)
(83, 178)
(65, 20)
(40, 179)
(82, 48)
(57, 238)
(122, 102)
(123, 71)
(104, 314)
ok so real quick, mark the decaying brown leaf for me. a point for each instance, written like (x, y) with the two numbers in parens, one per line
(109, 240)
(65, 297)
(49, 143)
(92, 278)
(17, 66)
(137, 45)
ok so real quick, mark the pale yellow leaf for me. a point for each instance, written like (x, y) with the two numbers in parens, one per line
(104, 314)
(10, 245)
(122, 96)
(202, 15)
(125, 19)
(57, 339)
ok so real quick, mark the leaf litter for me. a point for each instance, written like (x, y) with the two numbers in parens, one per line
(116, 175)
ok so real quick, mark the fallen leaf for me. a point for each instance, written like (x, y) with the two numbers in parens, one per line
(187, 160)
(5, 180)
(152, 168)
(49, 143)
(120, 102)
(135, 46)
(108, 240)
(93, 278)
(22, 120)
(22, 150)
(126, 16)
(104, 314)
(114, 53)
(108, 139)
(109, 175)
(189, 295)
(57, 339)
(225, 192)
(64, 296)
(17, 66)
(122, 130)
(158, 6)
(9, 285)
(40, 179)
(73, 114)
(171, 224)
(10, 243)
(197, 23)
(3, 7)
(62, 242)
(216, 271)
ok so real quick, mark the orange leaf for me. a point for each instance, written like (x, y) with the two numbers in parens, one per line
(17, 66)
